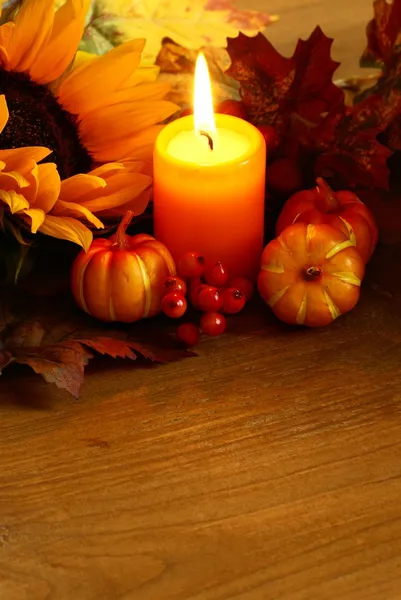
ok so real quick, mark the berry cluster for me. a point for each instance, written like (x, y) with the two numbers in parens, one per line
(209, 289)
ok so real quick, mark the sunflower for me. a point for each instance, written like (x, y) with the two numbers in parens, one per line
(29, 192)
(99, 115)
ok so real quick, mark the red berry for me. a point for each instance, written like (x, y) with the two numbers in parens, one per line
(191, 265)
(188, 333)
(174, 305)
(194, 288)
(209, 298)
(233, 108)
(174, 284)
(233, 301)
(271, 138)
(245, 285)
(216, 275)
(284, 176)
(213, 323)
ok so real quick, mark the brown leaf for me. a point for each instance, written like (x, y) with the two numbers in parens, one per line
(62, 364)
(176, 59)
(5, 359)
(128, 348)
(110, 346)
(52, 337)
(28, 334)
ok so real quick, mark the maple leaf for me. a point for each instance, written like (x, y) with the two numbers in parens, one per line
(384, 50)
(275, 88)
(192, 24)
(57, 341)
(383, 33)
(347, 147)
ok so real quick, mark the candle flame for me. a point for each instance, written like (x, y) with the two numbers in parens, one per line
(203, 99)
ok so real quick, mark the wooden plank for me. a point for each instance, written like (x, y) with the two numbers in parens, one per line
(266, 469)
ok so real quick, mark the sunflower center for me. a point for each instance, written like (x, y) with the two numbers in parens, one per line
(37, 119)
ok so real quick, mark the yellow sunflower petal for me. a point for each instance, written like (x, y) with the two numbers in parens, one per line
(15, 201)
(143, 74)
(98, 78)
(81, 59)
(139, 145)
(12, 180)
(48, 187)
(13, 158)
(106, 170)
(4, 60)
(37, 217)
(72, 209)
(78, 186)
(137, 166)
(3, 112)
(6, 32)
(31, 173)
(66, 228)
(140, 93)
(121, 189)
(54, 58)
(123, 120)
(32, 29)
(137, 206)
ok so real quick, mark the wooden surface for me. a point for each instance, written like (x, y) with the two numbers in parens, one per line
(266, 469)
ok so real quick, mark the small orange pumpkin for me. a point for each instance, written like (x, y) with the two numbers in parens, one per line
(343, 210)
(122, 278)
(310, 275)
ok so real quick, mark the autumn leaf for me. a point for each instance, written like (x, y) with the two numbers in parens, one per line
(57, 341)
(383, 34)
(62, 364)
(347, 147)
(275, 88)
(384, 50)
(192, 24)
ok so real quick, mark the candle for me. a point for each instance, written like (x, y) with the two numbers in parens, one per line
(209, 185)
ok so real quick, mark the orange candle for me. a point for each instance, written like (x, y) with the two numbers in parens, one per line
(209, 185)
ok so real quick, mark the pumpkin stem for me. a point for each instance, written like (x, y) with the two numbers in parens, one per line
(328, 201)
(120, 238)
(312, 273)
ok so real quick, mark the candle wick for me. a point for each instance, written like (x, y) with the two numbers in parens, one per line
(209, 138)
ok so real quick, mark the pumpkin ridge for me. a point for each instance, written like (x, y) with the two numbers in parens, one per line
(146, 285)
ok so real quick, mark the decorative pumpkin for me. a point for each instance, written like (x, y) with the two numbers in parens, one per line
(343, 210)
(310, 275)
(122, 278)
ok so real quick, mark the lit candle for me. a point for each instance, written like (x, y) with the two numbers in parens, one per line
(209, 185)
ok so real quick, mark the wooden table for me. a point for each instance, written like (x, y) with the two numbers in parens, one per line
(269, 468)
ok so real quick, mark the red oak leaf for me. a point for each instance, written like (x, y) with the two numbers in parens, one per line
(275, 88)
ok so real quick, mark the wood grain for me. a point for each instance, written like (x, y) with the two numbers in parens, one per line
(266, 469)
